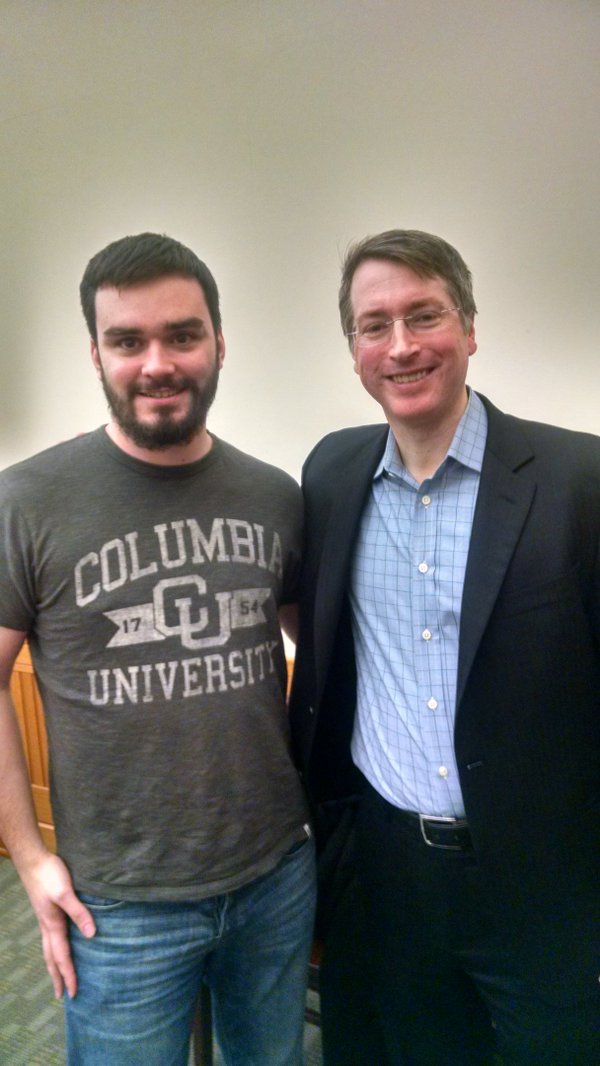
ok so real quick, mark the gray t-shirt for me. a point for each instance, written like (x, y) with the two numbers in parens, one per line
(150, 597)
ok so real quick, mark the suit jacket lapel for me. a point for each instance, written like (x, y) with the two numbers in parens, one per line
(503, 502)
(348, 499)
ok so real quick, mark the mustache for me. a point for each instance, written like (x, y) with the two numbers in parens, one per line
(178, 382)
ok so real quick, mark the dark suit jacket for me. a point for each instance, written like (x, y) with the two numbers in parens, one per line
(527, 728)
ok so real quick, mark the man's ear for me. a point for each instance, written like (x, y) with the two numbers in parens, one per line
(95, 357)
(472, 343)
(220, 349)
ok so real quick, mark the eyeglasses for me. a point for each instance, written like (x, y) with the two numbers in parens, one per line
(381, 330)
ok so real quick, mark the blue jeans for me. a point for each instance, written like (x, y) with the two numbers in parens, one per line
(139, 976)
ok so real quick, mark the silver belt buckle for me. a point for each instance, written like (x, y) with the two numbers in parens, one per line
(445, 820)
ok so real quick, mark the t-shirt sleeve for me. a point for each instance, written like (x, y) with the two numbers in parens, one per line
(292, 558)
(17, 585)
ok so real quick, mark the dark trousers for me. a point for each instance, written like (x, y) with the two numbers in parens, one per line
(443, 980)
(350, 1027)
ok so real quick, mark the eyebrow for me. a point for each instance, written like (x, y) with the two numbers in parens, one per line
(169, 327)
(414, 305)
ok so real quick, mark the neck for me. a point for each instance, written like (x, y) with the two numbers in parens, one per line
(422, 443)
(422, 459)
(175, 455)
(423, 447)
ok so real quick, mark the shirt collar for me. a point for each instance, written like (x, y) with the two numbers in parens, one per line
(467, 447)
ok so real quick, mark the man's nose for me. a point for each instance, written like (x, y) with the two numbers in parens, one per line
(158, 359)
(402, 341)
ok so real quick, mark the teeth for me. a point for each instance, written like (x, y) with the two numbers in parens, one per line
(403, 379)
(160, 393)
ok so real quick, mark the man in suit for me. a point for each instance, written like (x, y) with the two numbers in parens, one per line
(448, 672)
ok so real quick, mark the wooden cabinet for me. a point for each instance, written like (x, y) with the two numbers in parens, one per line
(29, 710)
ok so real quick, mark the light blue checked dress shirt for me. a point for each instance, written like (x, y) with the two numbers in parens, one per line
(406, 590)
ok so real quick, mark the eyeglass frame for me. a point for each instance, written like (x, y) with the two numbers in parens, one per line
(401, 318)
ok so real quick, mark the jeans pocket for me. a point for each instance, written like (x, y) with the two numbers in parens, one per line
(100, 903)
(299, 845)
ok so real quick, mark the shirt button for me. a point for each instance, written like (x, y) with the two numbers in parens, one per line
(443, 771)
(432, 703)
(426, 634)
(425, 500)
(423, 568)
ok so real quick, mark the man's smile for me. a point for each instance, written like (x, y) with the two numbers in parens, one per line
(405, 379)
(161, 393)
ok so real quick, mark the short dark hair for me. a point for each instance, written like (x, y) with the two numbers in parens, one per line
(144, 257)
(427, 255)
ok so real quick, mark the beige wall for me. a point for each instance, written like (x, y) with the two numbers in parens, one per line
(267, 134)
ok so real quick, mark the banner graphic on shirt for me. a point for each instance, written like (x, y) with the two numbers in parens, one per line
(179, 608)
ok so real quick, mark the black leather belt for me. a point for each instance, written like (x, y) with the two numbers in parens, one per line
(450, 833)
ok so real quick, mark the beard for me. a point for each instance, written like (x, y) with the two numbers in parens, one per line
(165, 431)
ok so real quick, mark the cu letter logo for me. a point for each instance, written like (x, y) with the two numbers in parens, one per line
(188, 616)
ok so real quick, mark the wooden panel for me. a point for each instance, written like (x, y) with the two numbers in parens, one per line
(48, 836)
(28, 705)
(41, 799)
(30, 713)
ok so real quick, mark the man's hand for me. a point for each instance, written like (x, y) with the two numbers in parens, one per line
(45, 876)
(50, 890)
